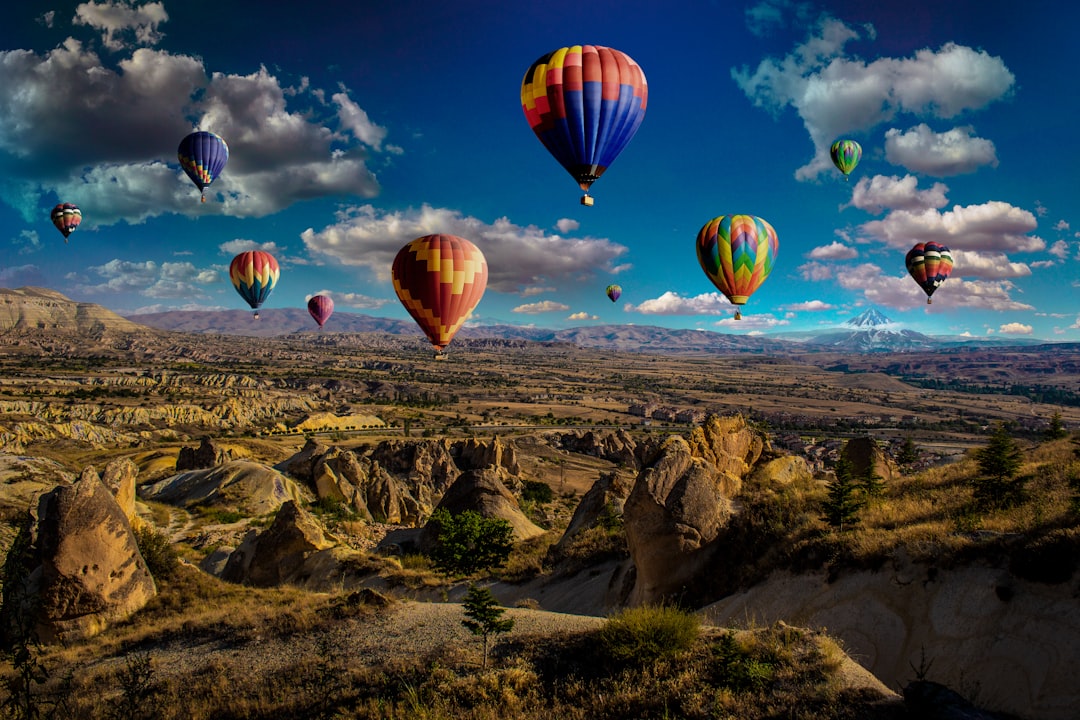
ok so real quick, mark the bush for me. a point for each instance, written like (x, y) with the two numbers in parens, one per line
(648, 633)
(469, 542)
(158, 552)
(537, 491)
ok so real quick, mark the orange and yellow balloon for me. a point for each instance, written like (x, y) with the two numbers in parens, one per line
(737, 254)
(254, 274)
(440, 280)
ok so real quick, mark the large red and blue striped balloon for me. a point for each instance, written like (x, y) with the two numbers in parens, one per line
(737, 253)
(203, 156)
(930, 264)
(584, 102)
(254, 274)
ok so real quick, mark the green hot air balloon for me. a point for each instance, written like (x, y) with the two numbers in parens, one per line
(845, 155)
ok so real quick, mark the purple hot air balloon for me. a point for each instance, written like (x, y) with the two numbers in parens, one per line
(203, 155)
(321, 308)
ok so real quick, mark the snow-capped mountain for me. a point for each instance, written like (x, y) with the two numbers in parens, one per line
(868, 319)
(871, 331)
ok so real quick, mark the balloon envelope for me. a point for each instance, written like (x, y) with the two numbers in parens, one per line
(66, 217)
(613, 292)
(203, 156)
(737, 254)
(254, 274)
(584, 103)
(930, 264)
(321, 308)
(440, 280)
(845, 155)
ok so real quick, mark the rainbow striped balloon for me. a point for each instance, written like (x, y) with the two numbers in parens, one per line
(254, 274)
(737, 253)
(440, 280)
(66, 217)
(930, 264)
(845, 155)
(584, 103)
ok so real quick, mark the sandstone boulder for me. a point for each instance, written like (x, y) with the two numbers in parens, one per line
(86, 570)
(119, 476)
(607, 494)
(864, 453)
(207, 455)
(783, 470)
(249, 487)
(278, 554)
(483, 492)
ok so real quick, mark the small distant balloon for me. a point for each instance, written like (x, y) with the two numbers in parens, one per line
(66, 217)
(584, 103)
(930, 264)
(321, 308)
(203, 156)
(737, 254)
(254, 274)
(613, 292)
(845, 155)
(440, 280)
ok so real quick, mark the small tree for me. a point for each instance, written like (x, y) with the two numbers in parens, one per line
(999, 462)
(842, 504)
(872, 484)
(908, 454)
(1056, 430)
(469, 542)
(484, 616)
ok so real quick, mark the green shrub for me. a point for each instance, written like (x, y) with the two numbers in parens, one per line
(158, 552)
(469, 542)
(645, 634)
(537, 491)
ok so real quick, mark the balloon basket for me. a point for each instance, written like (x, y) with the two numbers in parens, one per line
(587, 200)
(738, 315)
(440, 356)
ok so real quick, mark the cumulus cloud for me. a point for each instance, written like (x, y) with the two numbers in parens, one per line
(954, 152)
(286, 145)
(1061, 226)
(357, 301)
(992, 226)
(544, 306)
(147, 278)
(582, 316)
(810, 306)
(518, 257)
(991, 265)
(815, 271)
(27, 242)
(567, 225)
(1060, 249)
(901, 293)
(671, 303)
(835, 94)
(834, 251)
(123, 24)
(1075, 325)
(753, 323)
(21, 276)
(239, 245)
(880, 193)
(1015, 328)
(161, 307)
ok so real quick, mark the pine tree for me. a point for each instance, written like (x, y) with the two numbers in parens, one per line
(909, 454)
(484, 615)
(842, 505)
(872, 484)
(1056, 429)
(999, 462)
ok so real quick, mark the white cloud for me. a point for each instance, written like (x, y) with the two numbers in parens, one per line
(881, 192)
(1075, 325)
(992, 226)
(27, 242)
(833, 251)
(671, 303)
(954, 152)
(990, 265)
(567, 225)
(836, 95)
(811, 306)
(353, 118)
(518, 257)
(902, 293)
(752, 322)
(534, 291)
(1043, 263)
(123, 24)
(1015, 328)
(815, 271)
(47, 18)
(239, 245)
(161, 307)
(544, 306)
(147, 278)
(1061, 226)
(1060, 249)
(22, 276)
(354, 300)
(582, 316)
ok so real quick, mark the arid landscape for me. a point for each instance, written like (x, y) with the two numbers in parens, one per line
(293, 476)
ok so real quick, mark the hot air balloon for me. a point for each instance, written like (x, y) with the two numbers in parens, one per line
(321, 308)
(203, 156)
(66, 217)
(613, 292)
(584, 102)
(254, 274)
(440, 279)
(930, 264)
(737, 252)
(845, 155)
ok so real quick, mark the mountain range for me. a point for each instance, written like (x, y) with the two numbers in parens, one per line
(30, 309)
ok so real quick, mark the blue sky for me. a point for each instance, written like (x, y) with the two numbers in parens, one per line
(355, 127)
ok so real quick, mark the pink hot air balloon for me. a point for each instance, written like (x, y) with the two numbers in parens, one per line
(321, 308)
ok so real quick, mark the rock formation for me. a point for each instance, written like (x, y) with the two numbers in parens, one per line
(278, 554)
(207, 455)
(864, 453)
(84, 565)
(249, 487)
(615, 446)
(681, 500)
(483, 492)
(608, 494)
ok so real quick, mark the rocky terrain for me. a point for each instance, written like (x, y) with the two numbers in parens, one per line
(281, 463)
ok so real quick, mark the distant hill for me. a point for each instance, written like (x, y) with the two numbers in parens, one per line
(871, 331)
(271, 322)
(33, 309)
